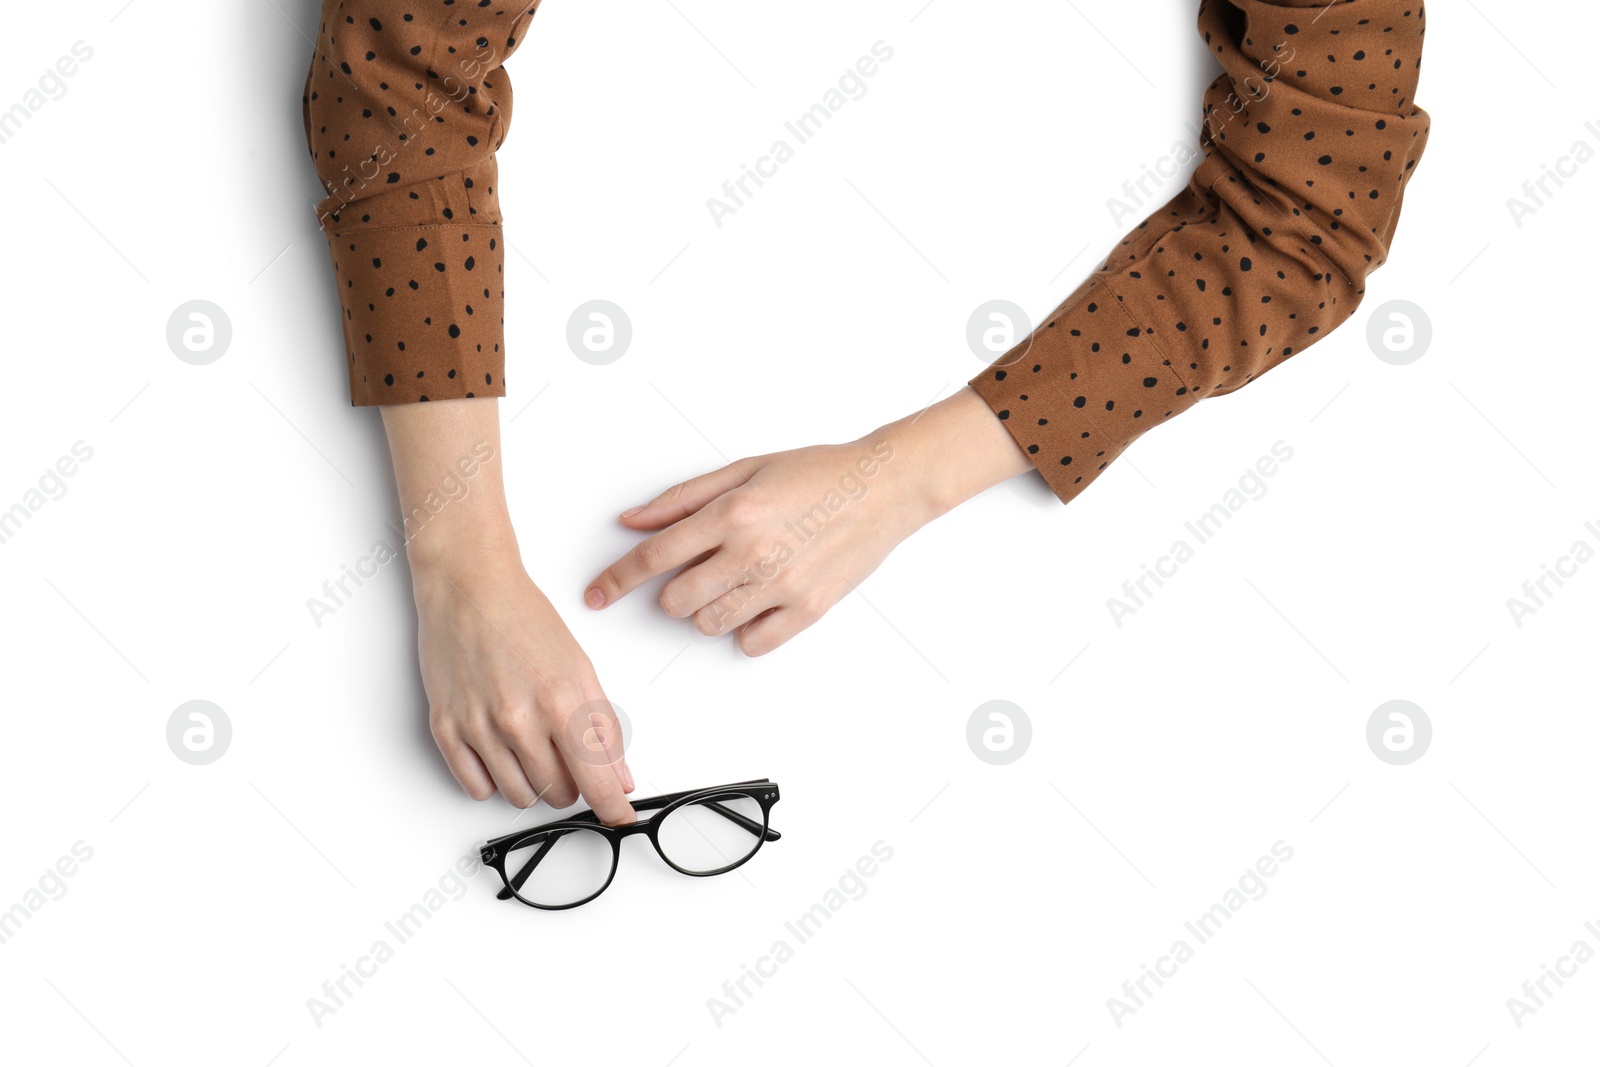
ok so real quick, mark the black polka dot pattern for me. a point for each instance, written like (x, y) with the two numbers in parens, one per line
(1311, 135)
(405, 103)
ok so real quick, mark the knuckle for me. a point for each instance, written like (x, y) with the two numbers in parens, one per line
(515, 717)
(517, 793)
(442, 725)
(553, 696)
(671, 601)
(742, 510)
(561, 702)
(561, 796)
(715, 618)
(811, 606)
(649, 554)
(581, 663)
(566, 716)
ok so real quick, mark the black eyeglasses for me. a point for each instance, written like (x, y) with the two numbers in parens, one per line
(571, 861)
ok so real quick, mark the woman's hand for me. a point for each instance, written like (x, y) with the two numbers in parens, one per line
(769, 544)
(779, 539)
(513, 702)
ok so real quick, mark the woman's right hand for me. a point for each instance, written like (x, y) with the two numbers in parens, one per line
(513, 702)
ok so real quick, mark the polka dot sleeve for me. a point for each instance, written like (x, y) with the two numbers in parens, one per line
(405, 104)
(1310, 137)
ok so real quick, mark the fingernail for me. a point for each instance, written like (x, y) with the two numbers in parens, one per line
(631, 512)
(627, 778)
(594, 597)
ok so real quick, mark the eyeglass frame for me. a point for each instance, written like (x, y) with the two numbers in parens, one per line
(494, 852)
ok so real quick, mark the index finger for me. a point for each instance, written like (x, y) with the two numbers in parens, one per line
(656, 554)
(591, 746)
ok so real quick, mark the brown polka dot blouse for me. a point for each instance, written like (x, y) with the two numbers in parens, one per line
(1310, 137)
(405, 104)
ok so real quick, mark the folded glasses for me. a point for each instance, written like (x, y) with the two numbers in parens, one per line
(571, 861)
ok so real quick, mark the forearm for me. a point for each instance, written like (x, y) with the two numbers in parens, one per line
(447, 466)
(513, 702)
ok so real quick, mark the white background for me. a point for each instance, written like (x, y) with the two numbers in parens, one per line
(1168, 753)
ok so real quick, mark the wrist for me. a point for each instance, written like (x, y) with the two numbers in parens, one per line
(452, 489)
(953, 450)
(467, 578)
(460, 544)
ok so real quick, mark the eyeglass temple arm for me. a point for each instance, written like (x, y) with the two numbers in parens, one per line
(765, 833)
(521, 877)
(527, 868)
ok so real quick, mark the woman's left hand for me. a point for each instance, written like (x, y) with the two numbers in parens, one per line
(768, 545)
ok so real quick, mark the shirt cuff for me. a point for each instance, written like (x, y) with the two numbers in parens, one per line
(1083, 387)
(423, 311)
